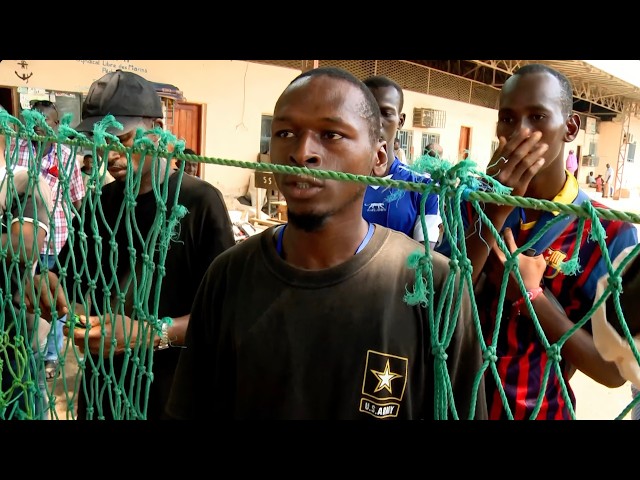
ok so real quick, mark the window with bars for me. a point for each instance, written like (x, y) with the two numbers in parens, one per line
(168, 110)
(428, 138)
(265, 133)
(406, 143)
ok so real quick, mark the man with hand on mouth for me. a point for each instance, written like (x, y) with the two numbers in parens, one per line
(308, 320)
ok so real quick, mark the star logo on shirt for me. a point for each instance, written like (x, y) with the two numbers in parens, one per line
(384, 378)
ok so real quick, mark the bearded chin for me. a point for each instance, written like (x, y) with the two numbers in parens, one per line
(308, 222)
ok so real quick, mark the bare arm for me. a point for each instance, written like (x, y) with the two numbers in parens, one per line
(579, 349)
(98, 337)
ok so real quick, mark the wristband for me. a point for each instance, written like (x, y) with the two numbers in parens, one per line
(532, 294)
(164, 337)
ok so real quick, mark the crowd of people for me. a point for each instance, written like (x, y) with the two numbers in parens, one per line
(309, 319)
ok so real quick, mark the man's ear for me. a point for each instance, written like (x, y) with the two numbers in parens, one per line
(573, 127)
(403, 118)
(157, 122)
(380, 165)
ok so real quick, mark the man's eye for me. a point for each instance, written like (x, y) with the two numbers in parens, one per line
(283, 134)
(332, 135)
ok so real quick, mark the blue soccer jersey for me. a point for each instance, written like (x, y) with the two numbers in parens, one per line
(522, 358)
(402, 214)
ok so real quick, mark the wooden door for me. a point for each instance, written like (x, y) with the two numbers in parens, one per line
(187, 125)
(465, 143)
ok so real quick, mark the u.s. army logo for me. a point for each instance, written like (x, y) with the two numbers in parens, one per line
(383, 384)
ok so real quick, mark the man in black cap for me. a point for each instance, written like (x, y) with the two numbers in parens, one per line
(119, 266)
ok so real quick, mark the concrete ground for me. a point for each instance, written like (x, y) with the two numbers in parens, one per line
(597, 402)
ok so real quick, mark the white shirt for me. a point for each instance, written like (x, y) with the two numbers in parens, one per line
(400, 154)
(608, 175)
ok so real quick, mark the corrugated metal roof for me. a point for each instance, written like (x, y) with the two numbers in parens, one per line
(590, 83)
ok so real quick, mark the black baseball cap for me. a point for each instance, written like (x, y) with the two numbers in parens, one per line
(125, 95)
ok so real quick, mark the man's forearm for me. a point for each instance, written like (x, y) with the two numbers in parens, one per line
(579, 349)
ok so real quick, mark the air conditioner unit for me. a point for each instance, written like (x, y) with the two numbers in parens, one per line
(428, 118)
(422, 117)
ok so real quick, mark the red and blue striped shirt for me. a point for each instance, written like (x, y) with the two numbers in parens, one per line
(522, 357)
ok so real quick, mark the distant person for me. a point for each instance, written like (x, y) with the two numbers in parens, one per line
(190, 168)
(572, 163)
(591, 180)
(599, 183)
(87, 164)
(607, 191)
(307, 320)
(433, 149)
(87, 169)
(398, 151)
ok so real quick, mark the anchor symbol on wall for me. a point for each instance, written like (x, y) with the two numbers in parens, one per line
(24, 76)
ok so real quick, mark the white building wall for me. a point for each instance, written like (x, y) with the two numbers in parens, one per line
(235, 94)
(481, 120)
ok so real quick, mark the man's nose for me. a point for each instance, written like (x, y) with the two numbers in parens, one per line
(113, 155)
(307, 151)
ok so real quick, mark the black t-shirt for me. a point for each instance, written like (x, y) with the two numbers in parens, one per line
(124, 224)
(267, 340)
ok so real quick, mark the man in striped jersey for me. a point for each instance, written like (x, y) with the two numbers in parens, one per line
(535, 120)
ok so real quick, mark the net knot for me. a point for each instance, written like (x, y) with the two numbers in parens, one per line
(465, 265)
(615, 283)
(553, 353)
(490, 354)
(440, 353)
